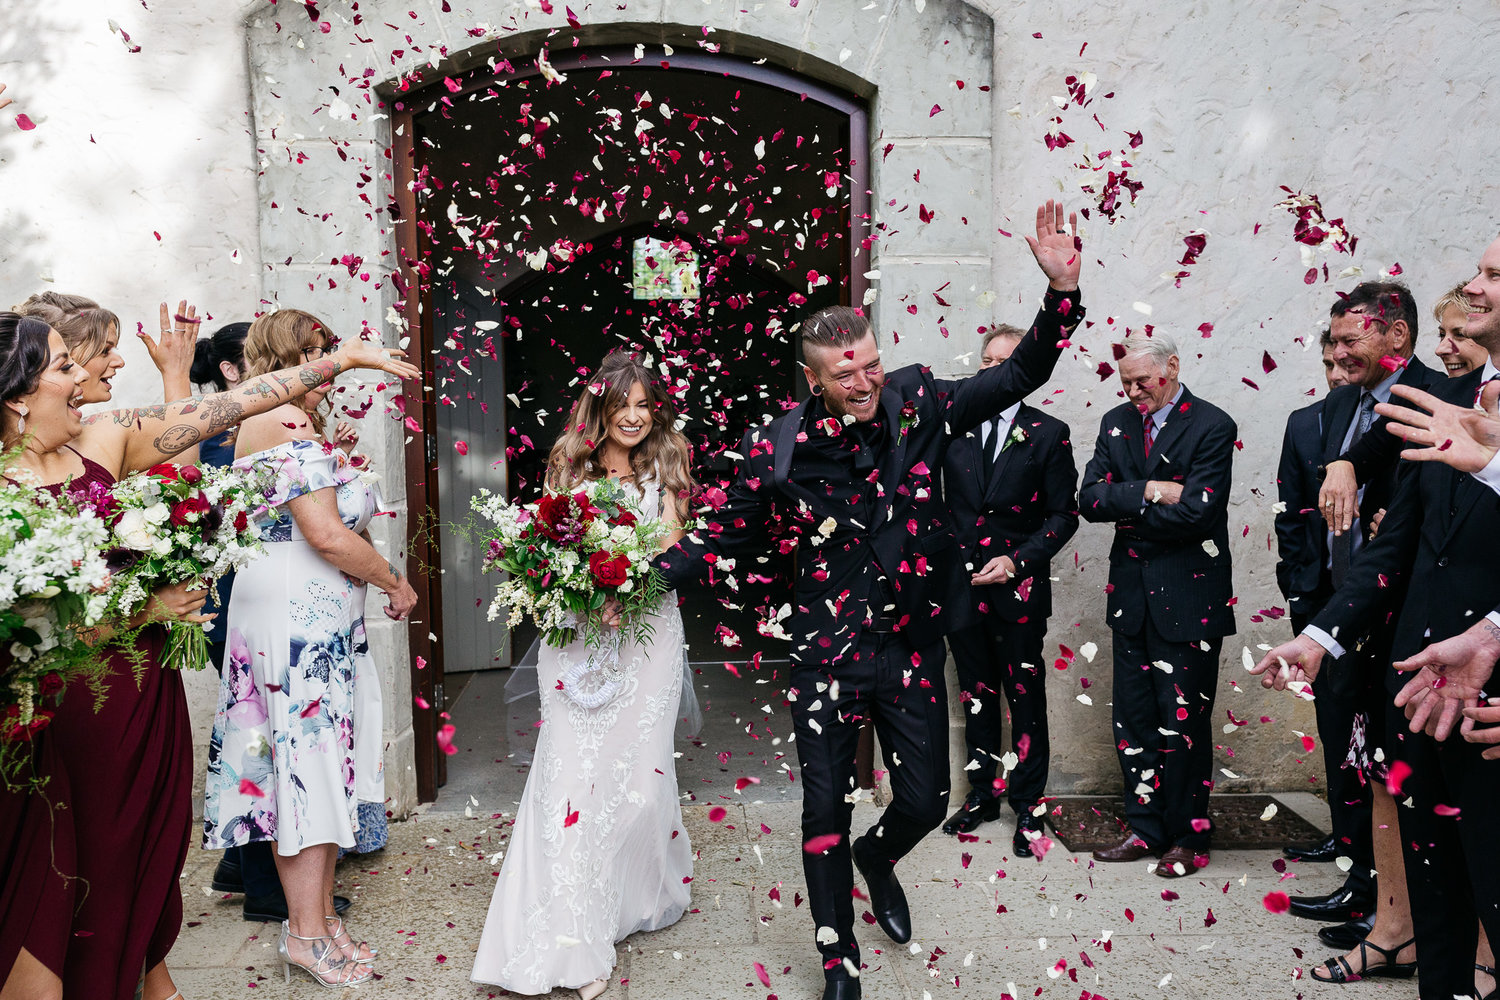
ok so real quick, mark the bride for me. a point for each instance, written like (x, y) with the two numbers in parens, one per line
(598, 850)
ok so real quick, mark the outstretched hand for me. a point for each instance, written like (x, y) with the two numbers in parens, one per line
(1450, 675)
(1058, 251)
(173, 353)
(356, 352)
(3, 99)
(1466, 439)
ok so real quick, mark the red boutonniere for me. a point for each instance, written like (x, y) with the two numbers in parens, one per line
(908, 416)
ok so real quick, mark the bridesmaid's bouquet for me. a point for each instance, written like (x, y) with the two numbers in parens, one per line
(172, 524)
(52, 580)
(567, 554)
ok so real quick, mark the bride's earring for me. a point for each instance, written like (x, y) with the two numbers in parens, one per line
(21, 412)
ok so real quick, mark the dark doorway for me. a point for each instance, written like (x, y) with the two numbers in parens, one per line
(694, 208)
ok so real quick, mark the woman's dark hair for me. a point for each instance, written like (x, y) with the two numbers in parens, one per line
(24, 354)
(226, 344)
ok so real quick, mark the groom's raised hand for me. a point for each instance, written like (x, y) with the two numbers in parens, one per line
(1058, 251)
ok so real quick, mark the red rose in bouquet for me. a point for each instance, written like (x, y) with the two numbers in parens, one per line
(608, 570)
(165, 470)
(624, 518)
(186, 511)
(565, 518)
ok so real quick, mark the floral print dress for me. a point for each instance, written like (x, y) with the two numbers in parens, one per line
(295, 755)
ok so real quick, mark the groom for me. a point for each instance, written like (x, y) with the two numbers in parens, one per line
(850, 479)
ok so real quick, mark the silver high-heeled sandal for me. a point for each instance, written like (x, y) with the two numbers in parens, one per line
(329, 968)
(338, 928)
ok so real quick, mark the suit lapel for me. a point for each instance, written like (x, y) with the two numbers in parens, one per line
(1464, 490)
(890, 467)
(1177, 424)
(997, 477)
(786, 443)
(1338, 413)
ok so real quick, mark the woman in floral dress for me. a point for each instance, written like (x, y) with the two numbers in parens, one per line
(284, 759)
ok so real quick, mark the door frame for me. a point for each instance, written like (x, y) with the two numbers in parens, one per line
(420, 449)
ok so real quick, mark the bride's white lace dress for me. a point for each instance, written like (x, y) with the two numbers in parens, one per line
(598, 850)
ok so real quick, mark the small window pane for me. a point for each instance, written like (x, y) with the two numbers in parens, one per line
(664, 269)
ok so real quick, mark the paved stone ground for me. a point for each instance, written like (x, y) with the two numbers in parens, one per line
(987, 924)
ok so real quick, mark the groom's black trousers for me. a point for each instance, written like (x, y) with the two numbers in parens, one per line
(902, 690)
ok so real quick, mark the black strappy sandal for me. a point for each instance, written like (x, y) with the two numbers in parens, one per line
(1493, 994)
(1340, 971)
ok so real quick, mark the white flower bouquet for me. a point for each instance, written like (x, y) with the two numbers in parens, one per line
(567, 554)
(52, 580)
(172, 524)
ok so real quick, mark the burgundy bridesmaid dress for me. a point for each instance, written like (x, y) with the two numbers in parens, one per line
(38, 858)
(129, 767)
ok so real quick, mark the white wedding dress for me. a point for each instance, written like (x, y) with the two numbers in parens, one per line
(598, 850)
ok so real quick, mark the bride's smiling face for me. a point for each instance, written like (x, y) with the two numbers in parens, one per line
(630, 424)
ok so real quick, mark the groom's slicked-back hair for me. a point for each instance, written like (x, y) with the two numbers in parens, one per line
(836, 327)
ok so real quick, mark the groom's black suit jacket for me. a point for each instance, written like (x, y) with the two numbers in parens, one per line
(1170, 561)
(780, 495)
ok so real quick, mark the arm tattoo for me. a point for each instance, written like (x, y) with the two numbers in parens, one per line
(1492, 629)
(397, 573)
(221, 410)
(315, 373)
(177, 437)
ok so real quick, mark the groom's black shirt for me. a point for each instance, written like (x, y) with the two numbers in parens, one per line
(807, 483)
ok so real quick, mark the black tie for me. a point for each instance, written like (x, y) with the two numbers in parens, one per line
(1343, 545)
(990, 447)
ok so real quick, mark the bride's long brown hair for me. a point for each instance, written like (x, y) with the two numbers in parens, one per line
(664, 455)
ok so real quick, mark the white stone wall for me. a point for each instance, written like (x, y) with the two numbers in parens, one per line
(228, 108)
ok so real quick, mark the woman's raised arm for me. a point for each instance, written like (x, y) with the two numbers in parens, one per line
(141, 437)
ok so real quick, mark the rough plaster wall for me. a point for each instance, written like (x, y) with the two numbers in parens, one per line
(1376, 115)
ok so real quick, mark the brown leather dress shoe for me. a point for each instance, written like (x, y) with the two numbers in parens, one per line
(1181, 861)
(1132, 848)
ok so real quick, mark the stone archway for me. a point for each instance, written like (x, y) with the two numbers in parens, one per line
(328, 181)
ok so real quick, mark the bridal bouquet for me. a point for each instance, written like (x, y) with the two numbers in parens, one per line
(172, 524)
(567, 554)
(52, 579)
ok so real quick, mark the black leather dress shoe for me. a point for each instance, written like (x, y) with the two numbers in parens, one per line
(1347, 936)
(841, 989)
(1025, 821)
(977, 808)
(227, 876)
(1326, 849)
(1341, 904)
(887, 898)
(272, 909)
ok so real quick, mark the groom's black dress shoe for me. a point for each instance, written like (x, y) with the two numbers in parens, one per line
(977, 808)
(228, 877)
(1326, 849)
(1341, 904)
(887, 898)
(841, 989)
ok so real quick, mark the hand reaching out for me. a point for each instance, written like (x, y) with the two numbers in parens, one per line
(1464, 438)
(3, 99)
(1058, 251)
(1338, 499)
(1292, 665)
(1450, 675)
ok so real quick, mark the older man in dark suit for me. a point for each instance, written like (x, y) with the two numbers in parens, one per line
(1013, 490)
(851, 479)
(1161, 474)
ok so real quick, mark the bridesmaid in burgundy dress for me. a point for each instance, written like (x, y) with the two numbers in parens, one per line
(128, 767)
